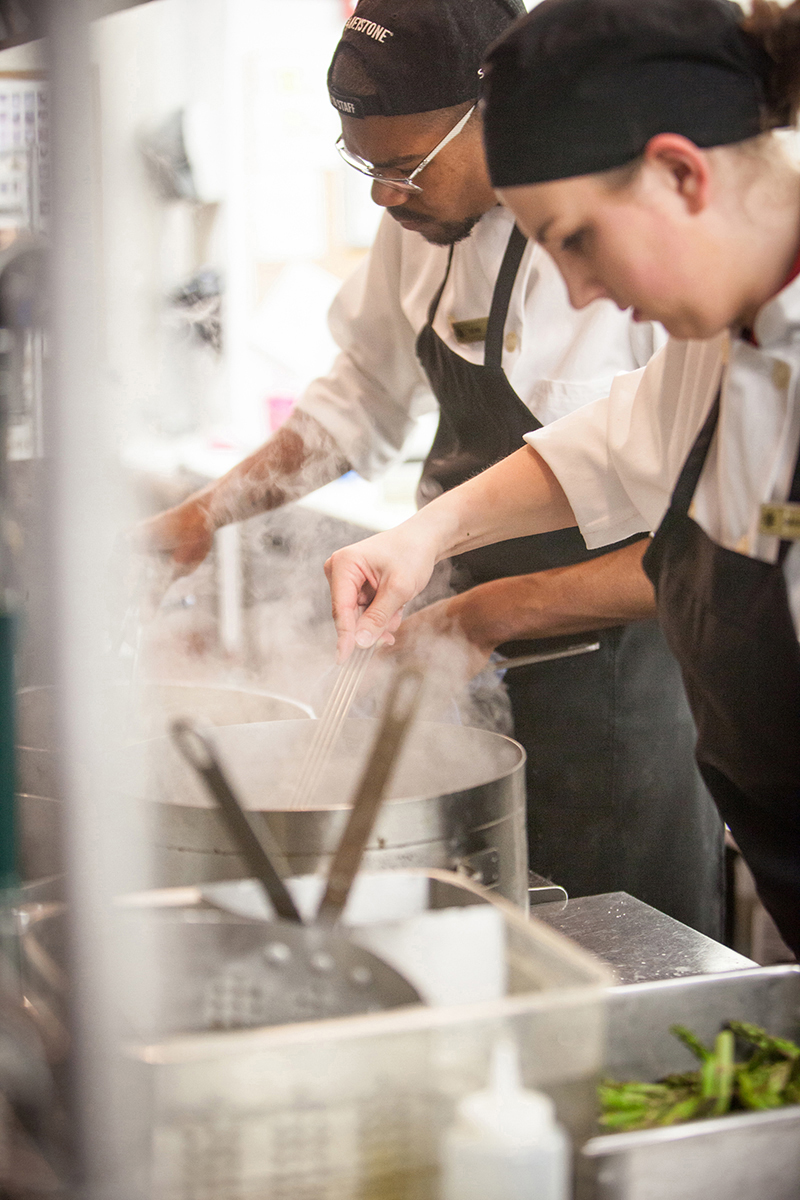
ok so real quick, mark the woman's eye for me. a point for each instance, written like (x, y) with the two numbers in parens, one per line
(575, 241)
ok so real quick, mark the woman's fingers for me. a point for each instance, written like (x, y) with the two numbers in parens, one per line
(346, 588)
(393, 626)
(368, 592)
(385, 612)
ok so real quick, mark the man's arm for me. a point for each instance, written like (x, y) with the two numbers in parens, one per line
(301, 457)
(603, 592)
(358, 415)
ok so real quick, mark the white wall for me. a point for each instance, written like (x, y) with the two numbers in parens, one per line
(251, 76)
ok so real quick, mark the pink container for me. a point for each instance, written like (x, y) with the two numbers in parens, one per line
(278, 409)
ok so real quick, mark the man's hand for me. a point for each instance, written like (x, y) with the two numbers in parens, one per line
(457, 627)
(298, 459)
(605, 591)
(184, 534)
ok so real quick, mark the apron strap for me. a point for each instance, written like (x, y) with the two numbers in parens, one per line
(495, 328)
(692, 468)
(434, 304)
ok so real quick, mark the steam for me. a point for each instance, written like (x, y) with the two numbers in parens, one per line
(289, 639)
(453, 693)
(300, 458)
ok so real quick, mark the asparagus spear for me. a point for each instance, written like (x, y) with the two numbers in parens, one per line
(779, 1047)
(770, 1077)
(717, 1074)
(691, 1041)
(763, 1086)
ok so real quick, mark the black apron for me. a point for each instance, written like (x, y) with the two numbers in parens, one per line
(615, 802)
(727, 618)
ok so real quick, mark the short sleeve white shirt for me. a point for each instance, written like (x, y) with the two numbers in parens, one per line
(619, 459)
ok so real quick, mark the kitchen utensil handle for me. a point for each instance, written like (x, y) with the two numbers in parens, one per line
(525, 660)
(199, 753)
(395, 723)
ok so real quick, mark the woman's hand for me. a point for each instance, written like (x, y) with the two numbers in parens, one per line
(371, 582)
(518, 496)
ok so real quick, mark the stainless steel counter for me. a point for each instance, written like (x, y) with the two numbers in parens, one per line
(638, 941)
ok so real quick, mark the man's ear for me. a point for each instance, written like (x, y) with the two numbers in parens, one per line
(685, 166)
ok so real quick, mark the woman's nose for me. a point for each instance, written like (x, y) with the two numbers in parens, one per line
(583, 289)
(387, 197)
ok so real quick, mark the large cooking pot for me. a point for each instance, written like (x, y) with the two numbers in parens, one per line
(457, 801)
(153, 704)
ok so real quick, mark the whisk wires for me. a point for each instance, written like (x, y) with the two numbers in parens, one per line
(329, 726)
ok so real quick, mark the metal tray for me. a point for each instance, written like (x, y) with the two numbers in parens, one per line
(745, 1156)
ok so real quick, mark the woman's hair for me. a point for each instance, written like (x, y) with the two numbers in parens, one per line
(776, 29)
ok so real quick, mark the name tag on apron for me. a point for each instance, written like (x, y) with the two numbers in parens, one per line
(781, 521)
(470, 331)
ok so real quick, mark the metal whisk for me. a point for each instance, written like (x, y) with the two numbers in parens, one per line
(330, 726)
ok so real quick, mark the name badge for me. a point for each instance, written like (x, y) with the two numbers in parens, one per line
(470, 331)
(781, 521)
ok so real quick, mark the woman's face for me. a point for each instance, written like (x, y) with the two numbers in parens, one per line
(647, 245)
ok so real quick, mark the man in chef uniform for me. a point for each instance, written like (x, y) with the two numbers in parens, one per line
(453, 300)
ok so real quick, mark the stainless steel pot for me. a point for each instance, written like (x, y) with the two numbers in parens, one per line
(457, 801)
(155, 704)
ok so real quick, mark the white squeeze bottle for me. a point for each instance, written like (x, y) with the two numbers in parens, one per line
(505, 1143)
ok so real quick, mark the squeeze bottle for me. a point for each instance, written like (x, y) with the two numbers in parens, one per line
(505, 1143)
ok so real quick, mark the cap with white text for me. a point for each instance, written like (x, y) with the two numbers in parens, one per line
(398, 57)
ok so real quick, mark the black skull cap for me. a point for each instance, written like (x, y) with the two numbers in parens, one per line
(580, 86)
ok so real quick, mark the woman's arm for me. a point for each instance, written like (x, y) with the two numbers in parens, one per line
(514, 498)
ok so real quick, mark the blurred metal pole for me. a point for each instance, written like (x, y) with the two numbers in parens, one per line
(84, 514)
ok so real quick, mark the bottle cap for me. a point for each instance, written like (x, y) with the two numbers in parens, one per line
(506, 1112)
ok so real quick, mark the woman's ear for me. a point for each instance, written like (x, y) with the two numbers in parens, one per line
(685, 167)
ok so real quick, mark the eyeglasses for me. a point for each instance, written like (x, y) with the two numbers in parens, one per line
(402, 183)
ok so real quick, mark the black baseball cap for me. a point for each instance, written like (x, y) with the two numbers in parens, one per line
(580, 86)
(411, 56)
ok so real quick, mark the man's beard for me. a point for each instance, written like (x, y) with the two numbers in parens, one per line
(439, 233)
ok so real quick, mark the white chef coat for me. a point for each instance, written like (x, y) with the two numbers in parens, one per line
(619, 459)
(556, 359)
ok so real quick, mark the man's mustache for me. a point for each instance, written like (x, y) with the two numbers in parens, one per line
(410, 214)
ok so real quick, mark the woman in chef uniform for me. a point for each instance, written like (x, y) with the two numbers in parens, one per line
(638, 143)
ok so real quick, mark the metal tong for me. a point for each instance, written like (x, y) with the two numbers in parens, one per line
(526, 660)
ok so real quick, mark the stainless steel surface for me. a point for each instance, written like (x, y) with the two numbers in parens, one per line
(638, 941)
(154, 705)
(217, 970)
(743, 1156)
(544, 891)
(395, 723)
(221, 972)
(527, 660)
(458, 792)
